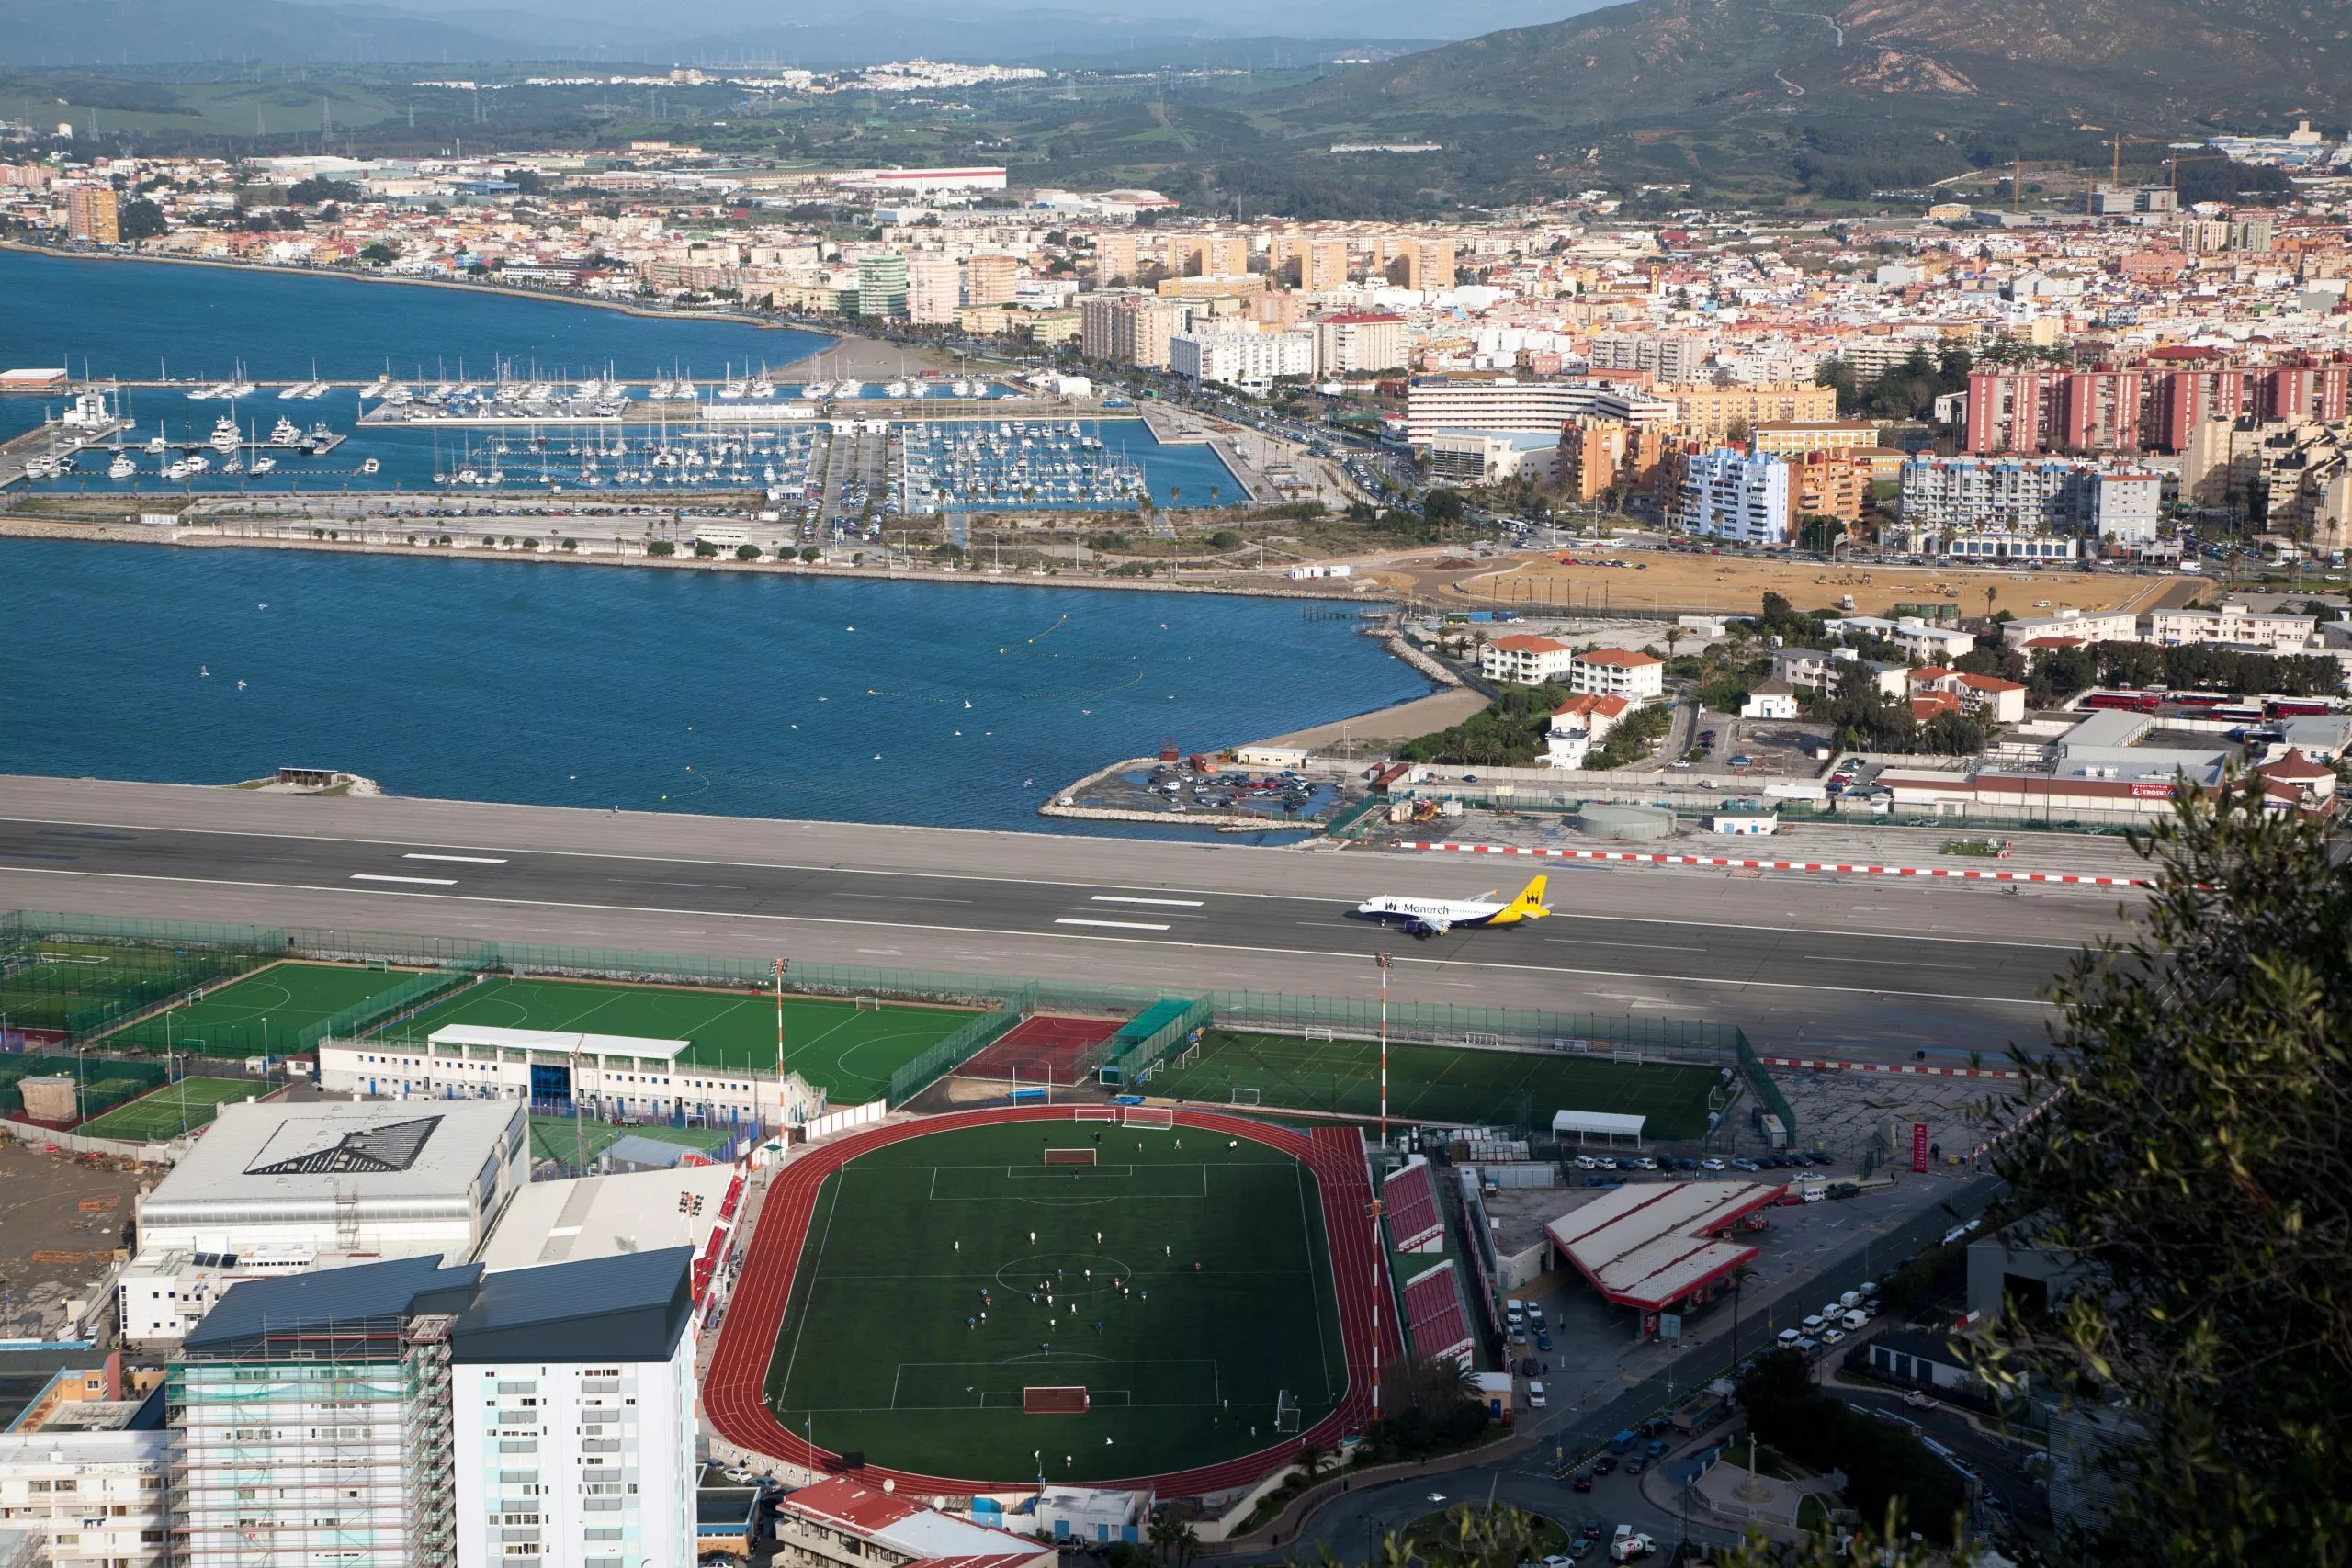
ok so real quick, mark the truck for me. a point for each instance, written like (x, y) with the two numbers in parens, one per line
(1622, 1443)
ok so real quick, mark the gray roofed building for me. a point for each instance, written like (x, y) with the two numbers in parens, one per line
(357, 1298)
(627, 1307)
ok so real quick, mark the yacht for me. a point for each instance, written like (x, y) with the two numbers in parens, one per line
(284, 432)
(370, 467)
(225, 437)
(262, 465)
(122, 468)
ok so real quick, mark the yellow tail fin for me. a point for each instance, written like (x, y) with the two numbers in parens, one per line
(1528, 906)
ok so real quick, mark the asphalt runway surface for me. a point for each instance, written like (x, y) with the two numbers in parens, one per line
(1816, 965)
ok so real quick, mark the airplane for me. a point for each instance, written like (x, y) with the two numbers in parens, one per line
(1435, 916)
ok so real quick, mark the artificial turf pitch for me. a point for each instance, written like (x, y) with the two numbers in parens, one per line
(560, 1138)
(847, 1051)
(1460, 1084)
(175, 1109)
(45, 982)
(261, 1014)
(878, 1353)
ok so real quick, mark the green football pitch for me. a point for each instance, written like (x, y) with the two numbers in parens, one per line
(1210, 1297)
(1460, 1084)
(847, 1051)
(264, 1012)
(45, 982)
(172, 1110)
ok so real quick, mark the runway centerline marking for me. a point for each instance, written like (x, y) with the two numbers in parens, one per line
(1117, 925)
(1164, 903)
(460, 860)
(418, 881)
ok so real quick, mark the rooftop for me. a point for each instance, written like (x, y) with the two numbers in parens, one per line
(600, 1216)
(1649, 1243)
(269, 1159)
(252, 1310)
(558, 1042)
(628, 1307)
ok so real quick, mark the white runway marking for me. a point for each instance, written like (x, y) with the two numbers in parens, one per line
(1164, 903)
(461, 860)
(417, 881)
(1114, 925)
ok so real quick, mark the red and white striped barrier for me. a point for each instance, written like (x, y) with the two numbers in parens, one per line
(1889, 1067)
(1953, 873)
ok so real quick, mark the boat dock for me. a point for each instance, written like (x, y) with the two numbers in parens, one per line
(30, 456)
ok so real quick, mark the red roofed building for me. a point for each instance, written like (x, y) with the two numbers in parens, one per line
(1580, 723)
(2295, 782)
(848, 1522)
(1525, 659)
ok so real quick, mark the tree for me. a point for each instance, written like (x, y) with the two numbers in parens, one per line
(140, 219)
(747, 552)
(2194, 1165)
(378, 253)
(811, 555)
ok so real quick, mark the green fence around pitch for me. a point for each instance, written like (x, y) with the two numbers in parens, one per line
(1766, 1089)
(1144, 1043)
(951, 1053)
(388, 1006)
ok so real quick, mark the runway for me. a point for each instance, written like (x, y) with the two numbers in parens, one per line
(1799, 962)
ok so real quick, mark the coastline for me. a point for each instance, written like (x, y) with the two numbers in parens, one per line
(14, 527)
(507, 291)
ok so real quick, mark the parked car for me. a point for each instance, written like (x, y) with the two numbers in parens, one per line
(1580, 1481)
(1711, 1162)
(1789, 1337)
(1657, 1449)
(1536, 1395)
(1746, 1165)
(1635, 1466)
(1830, 1335)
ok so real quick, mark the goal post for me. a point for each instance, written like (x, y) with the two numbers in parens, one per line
(1318, 1031)
(1069, 1157)
(1285, 1411)
(869, 1004)
(382, 965)
(1244, 1096)
(1157, 1116)
(1054, 1399)
(1094, 1114)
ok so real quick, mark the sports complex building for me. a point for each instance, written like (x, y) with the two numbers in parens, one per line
(970, 1236)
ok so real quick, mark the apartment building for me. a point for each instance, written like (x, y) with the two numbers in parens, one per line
(1234, 357)
(1956, 496)
(1677, 358)
(1361, 341)
(83, 1470)
(91, 214)
(882, 285)
(1593, 457)
(1624, 673)
(1913, 635)
(990, 279)
(934, 288)
(1525, 659)
(2081, 626)
(1830, 484)
(1474, 456)
(1130, 328)
(572, 1388)
(1114, 258)
(1709, 411)
(1794, 438)
(1730, 494)
(1815, 669)
(404, 1414)
(2233, 625)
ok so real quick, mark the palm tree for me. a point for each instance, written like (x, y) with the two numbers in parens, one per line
(1396, 1552)
(1311, 1455)
(1991, 593)
(1164, 1530)
(1740, 1274)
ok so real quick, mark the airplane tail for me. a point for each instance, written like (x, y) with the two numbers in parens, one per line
(1528, 906)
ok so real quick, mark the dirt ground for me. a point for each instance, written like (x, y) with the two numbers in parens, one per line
(42, 1195)
(1673, 581)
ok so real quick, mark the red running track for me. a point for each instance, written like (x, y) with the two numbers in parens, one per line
(734, 1392)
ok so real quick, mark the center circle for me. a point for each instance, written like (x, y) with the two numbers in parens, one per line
(1034, 1271)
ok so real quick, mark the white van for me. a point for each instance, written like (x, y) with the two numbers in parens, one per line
(1535, 1395)
(1855, 1319)
(1813, 1324)
(1514, 1313)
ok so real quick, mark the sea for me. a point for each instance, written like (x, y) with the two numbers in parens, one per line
(748, 694)
(150, 320)
(754, 694)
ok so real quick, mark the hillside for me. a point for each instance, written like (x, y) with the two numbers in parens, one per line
(1747, 93)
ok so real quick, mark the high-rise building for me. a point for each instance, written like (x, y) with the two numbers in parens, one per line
(1358, 341)
(1729, 494)
(882, 285)
(935, 286)
(1250, 360)
(403, 1414)
(989, 280)
(1114, 258)
(90, 214)
(1130, 329)
(1592, 457)
(1709, 411)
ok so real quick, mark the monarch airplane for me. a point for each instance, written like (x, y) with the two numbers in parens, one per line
(1435, 916)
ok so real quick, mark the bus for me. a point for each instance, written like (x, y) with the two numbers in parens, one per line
(2295, 707)
(2133, 702)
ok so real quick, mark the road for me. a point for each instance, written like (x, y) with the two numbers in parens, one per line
(1813, 963)
(1352, 1524)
